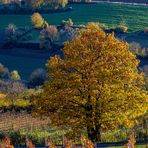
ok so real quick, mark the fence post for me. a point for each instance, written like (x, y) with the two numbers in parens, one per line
(63, 141)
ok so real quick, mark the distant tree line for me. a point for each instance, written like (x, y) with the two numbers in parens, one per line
(35, 4)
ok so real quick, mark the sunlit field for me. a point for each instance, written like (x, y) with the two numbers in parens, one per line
(136, 17)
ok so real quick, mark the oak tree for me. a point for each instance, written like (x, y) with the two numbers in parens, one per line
(96, 86)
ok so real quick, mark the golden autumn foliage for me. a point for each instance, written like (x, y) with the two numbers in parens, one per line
(6, 143)
(36, 3)
(96, 86)
(86, 143)
(37, 20)
(55, 4)
(4, 101)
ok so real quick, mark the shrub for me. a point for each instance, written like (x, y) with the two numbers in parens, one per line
(68, 23)
(121, 29)
(4, 101)
(6, 142)
(68, 33)
(37, 78)
(93, 25)
(56, 4)
(14, 75)
(11, 33)
(86, 143)
(12, 89)
(136, 48)
(30, 144)
(3, 71)
(48, 36)
(62, 3)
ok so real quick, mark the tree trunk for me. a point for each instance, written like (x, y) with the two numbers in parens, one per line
(93, 128)
(94, 134)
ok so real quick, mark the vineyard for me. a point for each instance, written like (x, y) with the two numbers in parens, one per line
(23, 120)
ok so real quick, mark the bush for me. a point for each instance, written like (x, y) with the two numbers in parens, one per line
(68, 34)
(14, 91)
(37, 78)
(121, 29)
(11, 33)
(3, 71)
(4, 101)
(136, 48)
(68, 23)
(97, 25)
(48, 36)
(14, 75)
(12, 88)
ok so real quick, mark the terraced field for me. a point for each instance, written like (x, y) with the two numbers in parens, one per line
(111, 14)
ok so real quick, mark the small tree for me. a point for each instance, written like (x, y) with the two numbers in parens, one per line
(36, 3)
(3, 71)
(62, 3)
(13, 89)
(68, 33)
(11, 33)
(97, 25)
(68, 23)
(37, 20)
(56, 4)
(37, 78)
(122, 27)
(14, 75)
(48, 36)
(96, 86)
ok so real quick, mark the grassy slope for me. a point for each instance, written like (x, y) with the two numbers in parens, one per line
(111, 14)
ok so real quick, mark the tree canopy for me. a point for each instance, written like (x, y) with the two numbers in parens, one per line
(96, 86)
(37, 20)
(52, 3)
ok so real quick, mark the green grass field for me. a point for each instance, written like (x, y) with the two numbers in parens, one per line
(111, 14)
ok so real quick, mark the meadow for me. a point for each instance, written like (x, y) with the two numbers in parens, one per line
(136, 17)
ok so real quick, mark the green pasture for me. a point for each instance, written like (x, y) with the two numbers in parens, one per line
(136, 17)
(111, 14)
